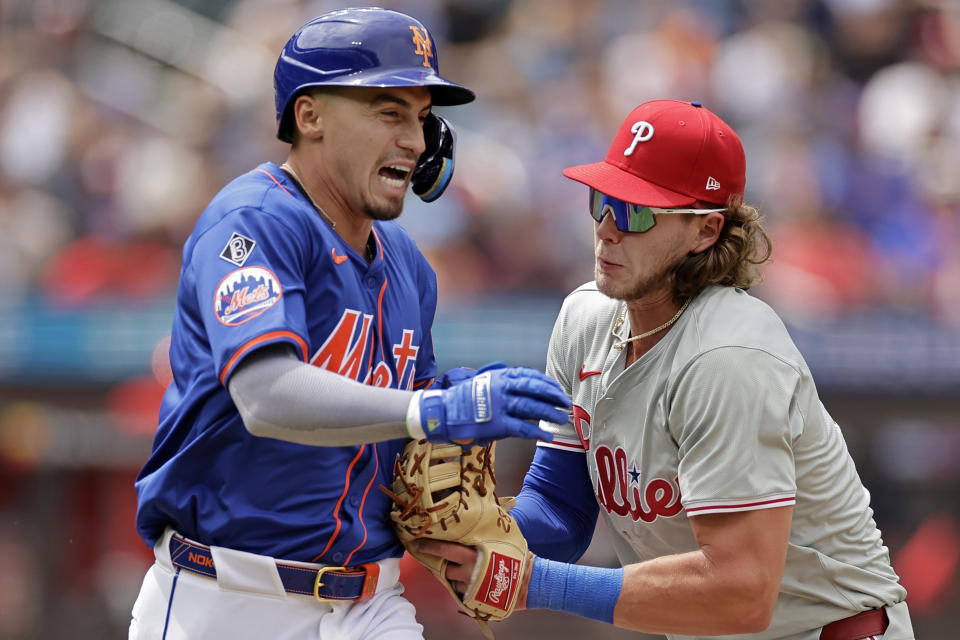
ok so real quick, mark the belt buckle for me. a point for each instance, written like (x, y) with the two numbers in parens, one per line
(372, 571)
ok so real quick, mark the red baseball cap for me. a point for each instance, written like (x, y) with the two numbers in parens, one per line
(669, 153)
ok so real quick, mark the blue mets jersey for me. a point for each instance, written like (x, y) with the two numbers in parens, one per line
(261, 267)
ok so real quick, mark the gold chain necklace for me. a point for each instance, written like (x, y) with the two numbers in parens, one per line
(293, 174)
(620, 345)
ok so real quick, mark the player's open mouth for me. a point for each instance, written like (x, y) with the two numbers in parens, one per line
(394, 175)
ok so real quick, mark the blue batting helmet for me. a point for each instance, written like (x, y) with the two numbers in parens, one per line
(366, 47)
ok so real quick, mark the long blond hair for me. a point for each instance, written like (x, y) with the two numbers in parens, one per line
(734, 260)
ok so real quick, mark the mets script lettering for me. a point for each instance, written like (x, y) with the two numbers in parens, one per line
(350, 350)
(659, 497)
(244, 298)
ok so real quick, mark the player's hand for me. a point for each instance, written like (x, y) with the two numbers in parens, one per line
(492, 405)
(461, 563)
(457, 375)
(434, 168)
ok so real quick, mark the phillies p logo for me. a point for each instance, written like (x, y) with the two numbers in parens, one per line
(642, 131)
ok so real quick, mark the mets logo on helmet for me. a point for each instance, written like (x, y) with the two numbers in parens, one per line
(422, 40)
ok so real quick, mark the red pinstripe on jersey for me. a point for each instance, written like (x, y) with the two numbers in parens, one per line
(562, 444)
(777, 501)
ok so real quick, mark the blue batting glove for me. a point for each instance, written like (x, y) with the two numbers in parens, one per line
(457, 375)
(494, 404)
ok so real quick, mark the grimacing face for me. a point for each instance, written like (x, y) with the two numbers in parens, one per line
(372, 138)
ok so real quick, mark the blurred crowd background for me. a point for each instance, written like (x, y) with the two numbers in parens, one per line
(120, 119)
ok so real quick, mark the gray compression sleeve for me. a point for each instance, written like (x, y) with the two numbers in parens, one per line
(280, 396)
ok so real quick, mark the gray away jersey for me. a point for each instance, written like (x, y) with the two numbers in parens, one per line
(721, 416)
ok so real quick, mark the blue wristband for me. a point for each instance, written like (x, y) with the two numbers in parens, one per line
(591, 592)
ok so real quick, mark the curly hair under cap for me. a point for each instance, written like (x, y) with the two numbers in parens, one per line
(734, 260)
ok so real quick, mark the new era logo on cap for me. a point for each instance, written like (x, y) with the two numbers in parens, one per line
(669, 153)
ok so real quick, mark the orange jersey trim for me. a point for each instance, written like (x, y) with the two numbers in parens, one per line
(272, 335)
(269, 175)
(383, 289)
(424, 384)
(377, 238)
(363, 501)
(336, 510)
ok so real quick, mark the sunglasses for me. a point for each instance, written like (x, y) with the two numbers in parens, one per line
(632, 218)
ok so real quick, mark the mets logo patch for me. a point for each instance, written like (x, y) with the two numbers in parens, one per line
(244, 294)
(500, 582)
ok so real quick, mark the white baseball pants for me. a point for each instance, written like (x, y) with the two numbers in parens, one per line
(243, 603)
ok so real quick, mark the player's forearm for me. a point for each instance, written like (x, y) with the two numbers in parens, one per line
(687, 594)
(281, 397)
(556, 509)
(679, 594)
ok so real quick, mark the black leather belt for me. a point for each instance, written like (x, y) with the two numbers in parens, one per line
(326, 583)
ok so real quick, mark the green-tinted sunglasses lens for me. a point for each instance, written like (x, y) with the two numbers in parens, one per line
(632, 218)
(596, 205)
(641, 218)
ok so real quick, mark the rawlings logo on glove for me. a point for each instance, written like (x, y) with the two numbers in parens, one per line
(503, 575)
(443, 492)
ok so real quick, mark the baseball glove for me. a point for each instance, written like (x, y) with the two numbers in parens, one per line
(445, 493)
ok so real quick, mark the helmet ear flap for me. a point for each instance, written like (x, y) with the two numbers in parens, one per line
(434, 168)
(285, 125)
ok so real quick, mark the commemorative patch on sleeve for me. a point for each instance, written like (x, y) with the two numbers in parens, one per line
(238, 249)
(244, 294)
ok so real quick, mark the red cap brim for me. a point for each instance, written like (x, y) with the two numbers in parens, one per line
(619, 184)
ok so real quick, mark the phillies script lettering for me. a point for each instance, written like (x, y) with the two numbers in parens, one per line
(659, 497)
